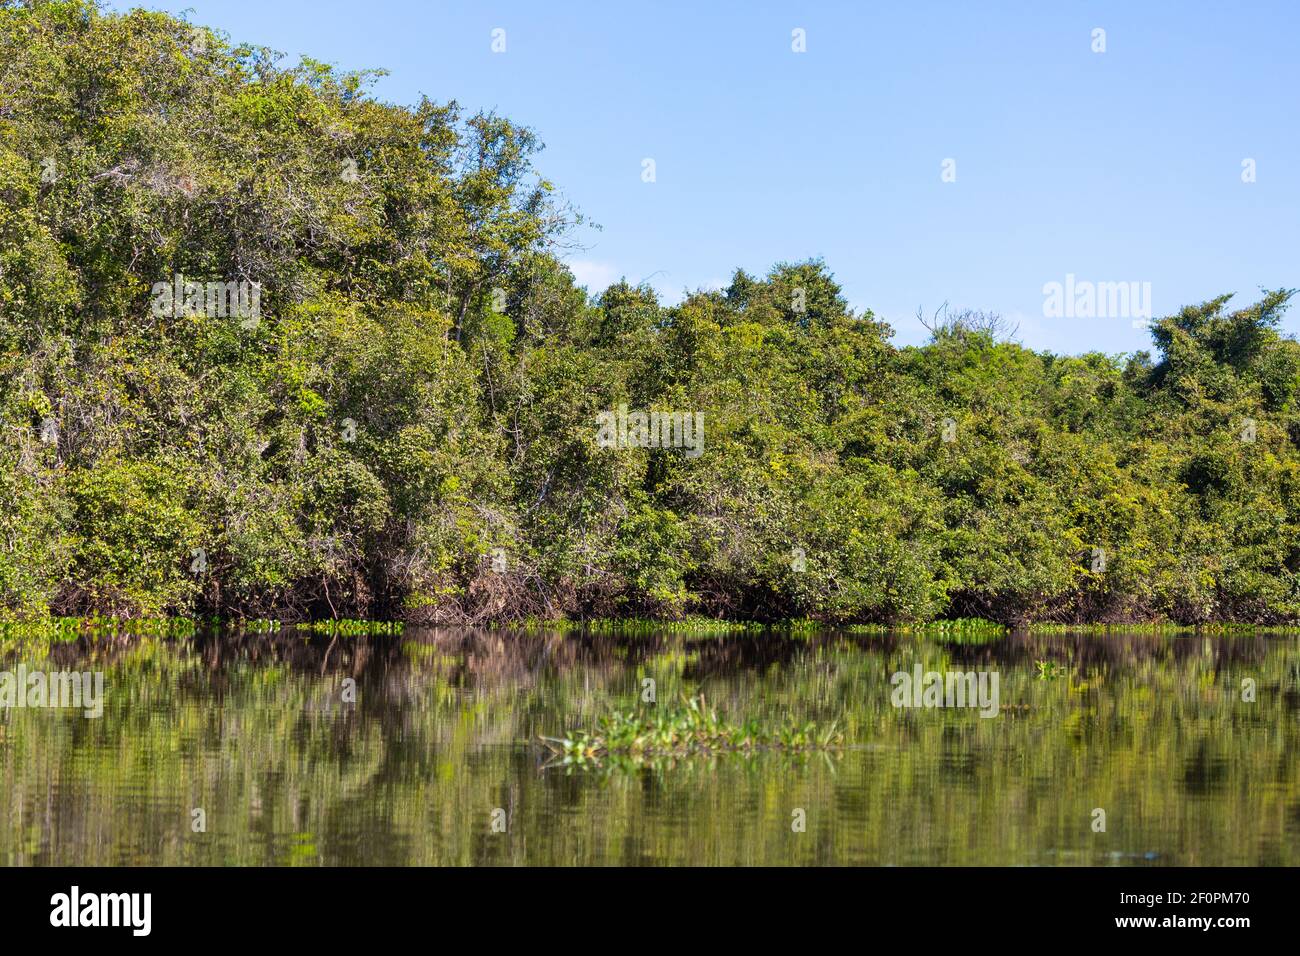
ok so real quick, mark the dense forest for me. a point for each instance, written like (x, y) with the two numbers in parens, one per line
(394, 411)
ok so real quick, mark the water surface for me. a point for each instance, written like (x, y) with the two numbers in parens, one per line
(255, 731)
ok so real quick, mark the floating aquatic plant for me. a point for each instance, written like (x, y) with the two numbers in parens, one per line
(692, 727)
(1049, 670)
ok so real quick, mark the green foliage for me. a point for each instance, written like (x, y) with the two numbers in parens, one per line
(408, 428)
(691, 727)
(133, 536)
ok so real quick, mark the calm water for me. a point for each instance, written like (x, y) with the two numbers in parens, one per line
(253, 730)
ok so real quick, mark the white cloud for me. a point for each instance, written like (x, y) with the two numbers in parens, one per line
(596, 276)
(599, 276)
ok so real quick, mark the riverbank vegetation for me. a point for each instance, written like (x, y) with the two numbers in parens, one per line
(406, 428)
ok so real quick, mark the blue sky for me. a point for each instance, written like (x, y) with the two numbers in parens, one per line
(1122, 166)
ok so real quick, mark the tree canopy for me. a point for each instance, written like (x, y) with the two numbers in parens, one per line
(407, 425)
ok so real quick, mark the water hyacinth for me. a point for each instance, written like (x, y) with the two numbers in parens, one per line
(691, 727)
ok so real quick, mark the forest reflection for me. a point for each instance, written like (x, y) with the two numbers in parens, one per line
(302, 749)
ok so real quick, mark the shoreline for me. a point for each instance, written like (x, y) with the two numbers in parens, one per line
(962, 630)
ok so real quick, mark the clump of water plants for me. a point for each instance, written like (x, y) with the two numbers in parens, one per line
(955, 630)
(691, 624)
(62, 629)
(1049, 670)
(348, 627)
(689, 728)
(1163, 628)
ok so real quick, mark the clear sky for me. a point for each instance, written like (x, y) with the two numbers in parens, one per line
(1124, 165)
